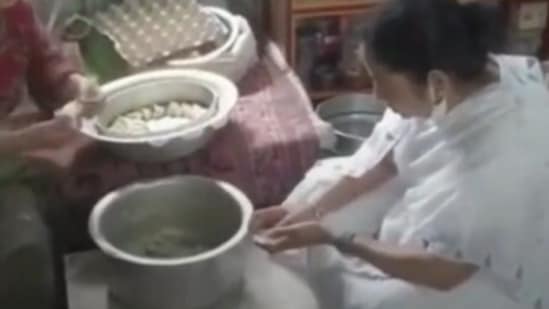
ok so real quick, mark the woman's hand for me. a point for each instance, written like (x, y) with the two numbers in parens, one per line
(90, 96)
(89, 99)
(305, 234)
(268, 218)
(306, 214)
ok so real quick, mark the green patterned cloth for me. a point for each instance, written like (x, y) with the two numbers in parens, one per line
(101, 58)
(98, 51)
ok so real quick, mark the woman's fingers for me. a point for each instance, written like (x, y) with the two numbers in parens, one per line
(274, 245)
(285, 231)
(277, 234)
(293, 237)
(297, 217)
(267, 218)
(71, 110)
(278, 239)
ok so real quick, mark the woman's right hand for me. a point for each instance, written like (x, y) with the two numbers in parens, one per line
(49, 134)
(270, 225)
(278, 216)
(268, 218)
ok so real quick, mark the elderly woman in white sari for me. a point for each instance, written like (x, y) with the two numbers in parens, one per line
(463, 153)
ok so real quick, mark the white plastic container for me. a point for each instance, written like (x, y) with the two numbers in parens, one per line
(234, 58)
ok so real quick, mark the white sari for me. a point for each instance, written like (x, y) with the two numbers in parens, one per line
(472, 186)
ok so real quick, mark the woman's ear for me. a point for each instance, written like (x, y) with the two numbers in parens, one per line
(361, 56)
(437, 86)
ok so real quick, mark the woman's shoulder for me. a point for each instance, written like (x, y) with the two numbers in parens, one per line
(520, 70)
(520, 60)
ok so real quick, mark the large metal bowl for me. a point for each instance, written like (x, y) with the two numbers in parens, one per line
(353, 118)
(214, 212)
(161, 86)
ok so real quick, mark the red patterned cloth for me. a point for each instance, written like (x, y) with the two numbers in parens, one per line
(29, 58)
(265, 150)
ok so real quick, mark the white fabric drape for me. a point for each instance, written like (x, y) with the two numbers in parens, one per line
(479, 179)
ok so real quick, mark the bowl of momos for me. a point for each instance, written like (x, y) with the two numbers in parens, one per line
(162, 115)
(189, 104)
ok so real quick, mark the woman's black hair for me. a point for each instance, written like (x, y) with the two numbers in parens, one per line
(417, 36)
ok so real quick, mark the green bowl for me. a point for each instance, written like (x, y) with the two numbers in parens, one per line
(101, 58)
(98, 52)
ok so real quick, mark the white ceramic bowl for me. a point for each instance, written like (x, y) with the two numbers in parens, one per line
(232, 24)
(145, 95)
(234, 58)
(159, 86)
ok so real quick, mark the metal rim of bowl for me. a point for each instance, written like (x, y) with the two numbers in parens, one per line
(356, 102)
(246, 211)
(324, 112)
(351, 136)
(212, 110)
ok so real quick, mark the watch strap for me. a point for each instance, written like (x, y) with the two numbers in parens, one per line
(345, 241)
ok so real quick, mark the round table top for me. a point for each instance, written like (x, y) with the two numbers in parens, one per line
(267, 285)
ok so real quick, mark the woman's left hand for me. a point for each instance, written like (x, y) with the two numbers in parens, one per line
(88, 100)
(300, 235)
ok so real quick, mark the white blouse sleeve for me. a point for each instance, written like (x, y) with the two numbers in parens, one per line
(386, 135)
(521, 69)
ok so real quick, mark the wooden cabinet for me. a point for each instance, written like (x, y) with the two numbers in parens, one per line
(528, 26)
(320, 39)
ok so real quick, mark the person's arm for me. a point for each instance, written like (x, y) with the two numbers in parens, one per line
(412, 265)
(19, 121)
(346, 191)
(13, 143)
(45, 134)
(415, 266)
(52, 78)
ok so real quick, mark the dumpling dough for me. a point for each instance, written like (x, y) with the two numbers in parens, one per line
(123, 125)
(168, 242)
(157, 118)
(173, 109)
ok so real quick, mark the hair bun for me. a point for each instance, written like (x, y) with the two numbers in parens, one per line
(486, 25)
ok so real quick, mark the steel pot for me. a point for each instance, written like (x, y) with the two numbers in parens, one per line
(352, 117)
(160, 86)
(213, 212)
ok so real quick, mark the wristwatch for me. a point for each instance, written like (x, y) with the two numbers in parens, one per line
(344, 242)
